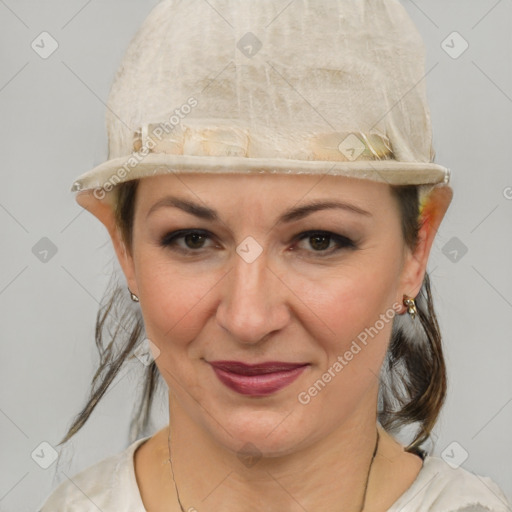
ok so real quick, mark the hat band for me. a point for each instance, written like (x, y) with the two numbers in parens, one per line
(215, 140)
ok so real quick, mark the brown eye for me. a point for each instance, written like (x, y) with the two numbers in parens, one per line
(320, 242)
(193, 240)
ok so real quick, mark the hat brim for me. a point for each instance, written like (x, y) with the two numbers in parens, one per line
(118, 170)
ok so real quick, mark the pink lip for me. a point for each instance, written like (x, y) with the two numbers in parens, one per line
(257, 379)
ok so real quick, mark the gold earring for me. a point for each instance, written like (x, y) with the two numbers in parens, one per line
(133, 296)
(411, 306)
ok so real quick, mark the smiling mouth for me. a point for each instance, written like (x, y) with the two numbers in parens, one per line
(260, 379)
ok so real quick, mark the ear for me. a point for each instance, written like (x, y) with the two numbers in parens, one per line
(432, 211)
(103, 210)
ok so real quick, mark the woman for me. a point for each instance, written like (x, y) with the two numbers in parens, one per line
(272, 200)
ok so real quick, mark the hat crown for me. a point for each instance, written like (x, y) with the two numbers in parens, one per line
(262, 79)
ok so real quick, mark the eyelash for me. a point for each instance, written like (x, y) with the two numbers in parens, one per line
(343, 242)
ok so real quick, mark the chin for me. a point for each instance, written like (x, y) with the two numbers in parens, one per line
(267, 433)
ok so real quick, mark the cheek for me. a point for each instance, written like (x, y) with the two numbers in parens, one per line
(171, 299)
(356, 304)
(350, 298)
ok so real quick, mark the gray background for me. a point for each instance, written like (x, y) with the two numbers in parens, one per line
(52, 130)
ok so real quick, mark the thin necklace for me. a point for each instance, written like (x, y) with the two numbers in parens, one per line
(365, 486)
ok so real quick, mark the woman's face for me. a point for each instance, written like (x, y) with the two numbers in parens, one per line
(257, 275)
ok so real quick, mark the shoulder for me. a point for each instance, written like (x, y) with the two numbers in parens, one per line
(441, 488)
(109, 485)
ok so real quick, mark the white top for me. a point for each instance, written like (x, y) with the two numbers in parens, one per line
(110, 486)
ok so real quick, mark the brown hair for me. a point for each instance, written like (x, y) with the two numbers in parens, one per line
(413, 377)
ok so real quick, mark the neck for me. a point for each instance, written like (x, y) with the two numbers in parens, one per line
(211, 477)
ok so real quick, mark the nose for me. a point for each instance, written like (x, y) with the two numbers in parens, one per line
(254, 301)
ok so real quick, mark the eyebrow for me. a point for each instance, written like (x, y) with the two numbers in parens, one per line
(293, 214)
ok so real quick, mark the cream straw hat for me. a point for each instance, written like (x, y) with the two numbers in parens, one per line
(266, 86)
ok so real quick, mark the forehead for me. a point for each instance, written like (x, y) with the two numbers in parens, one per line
(263, 187)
